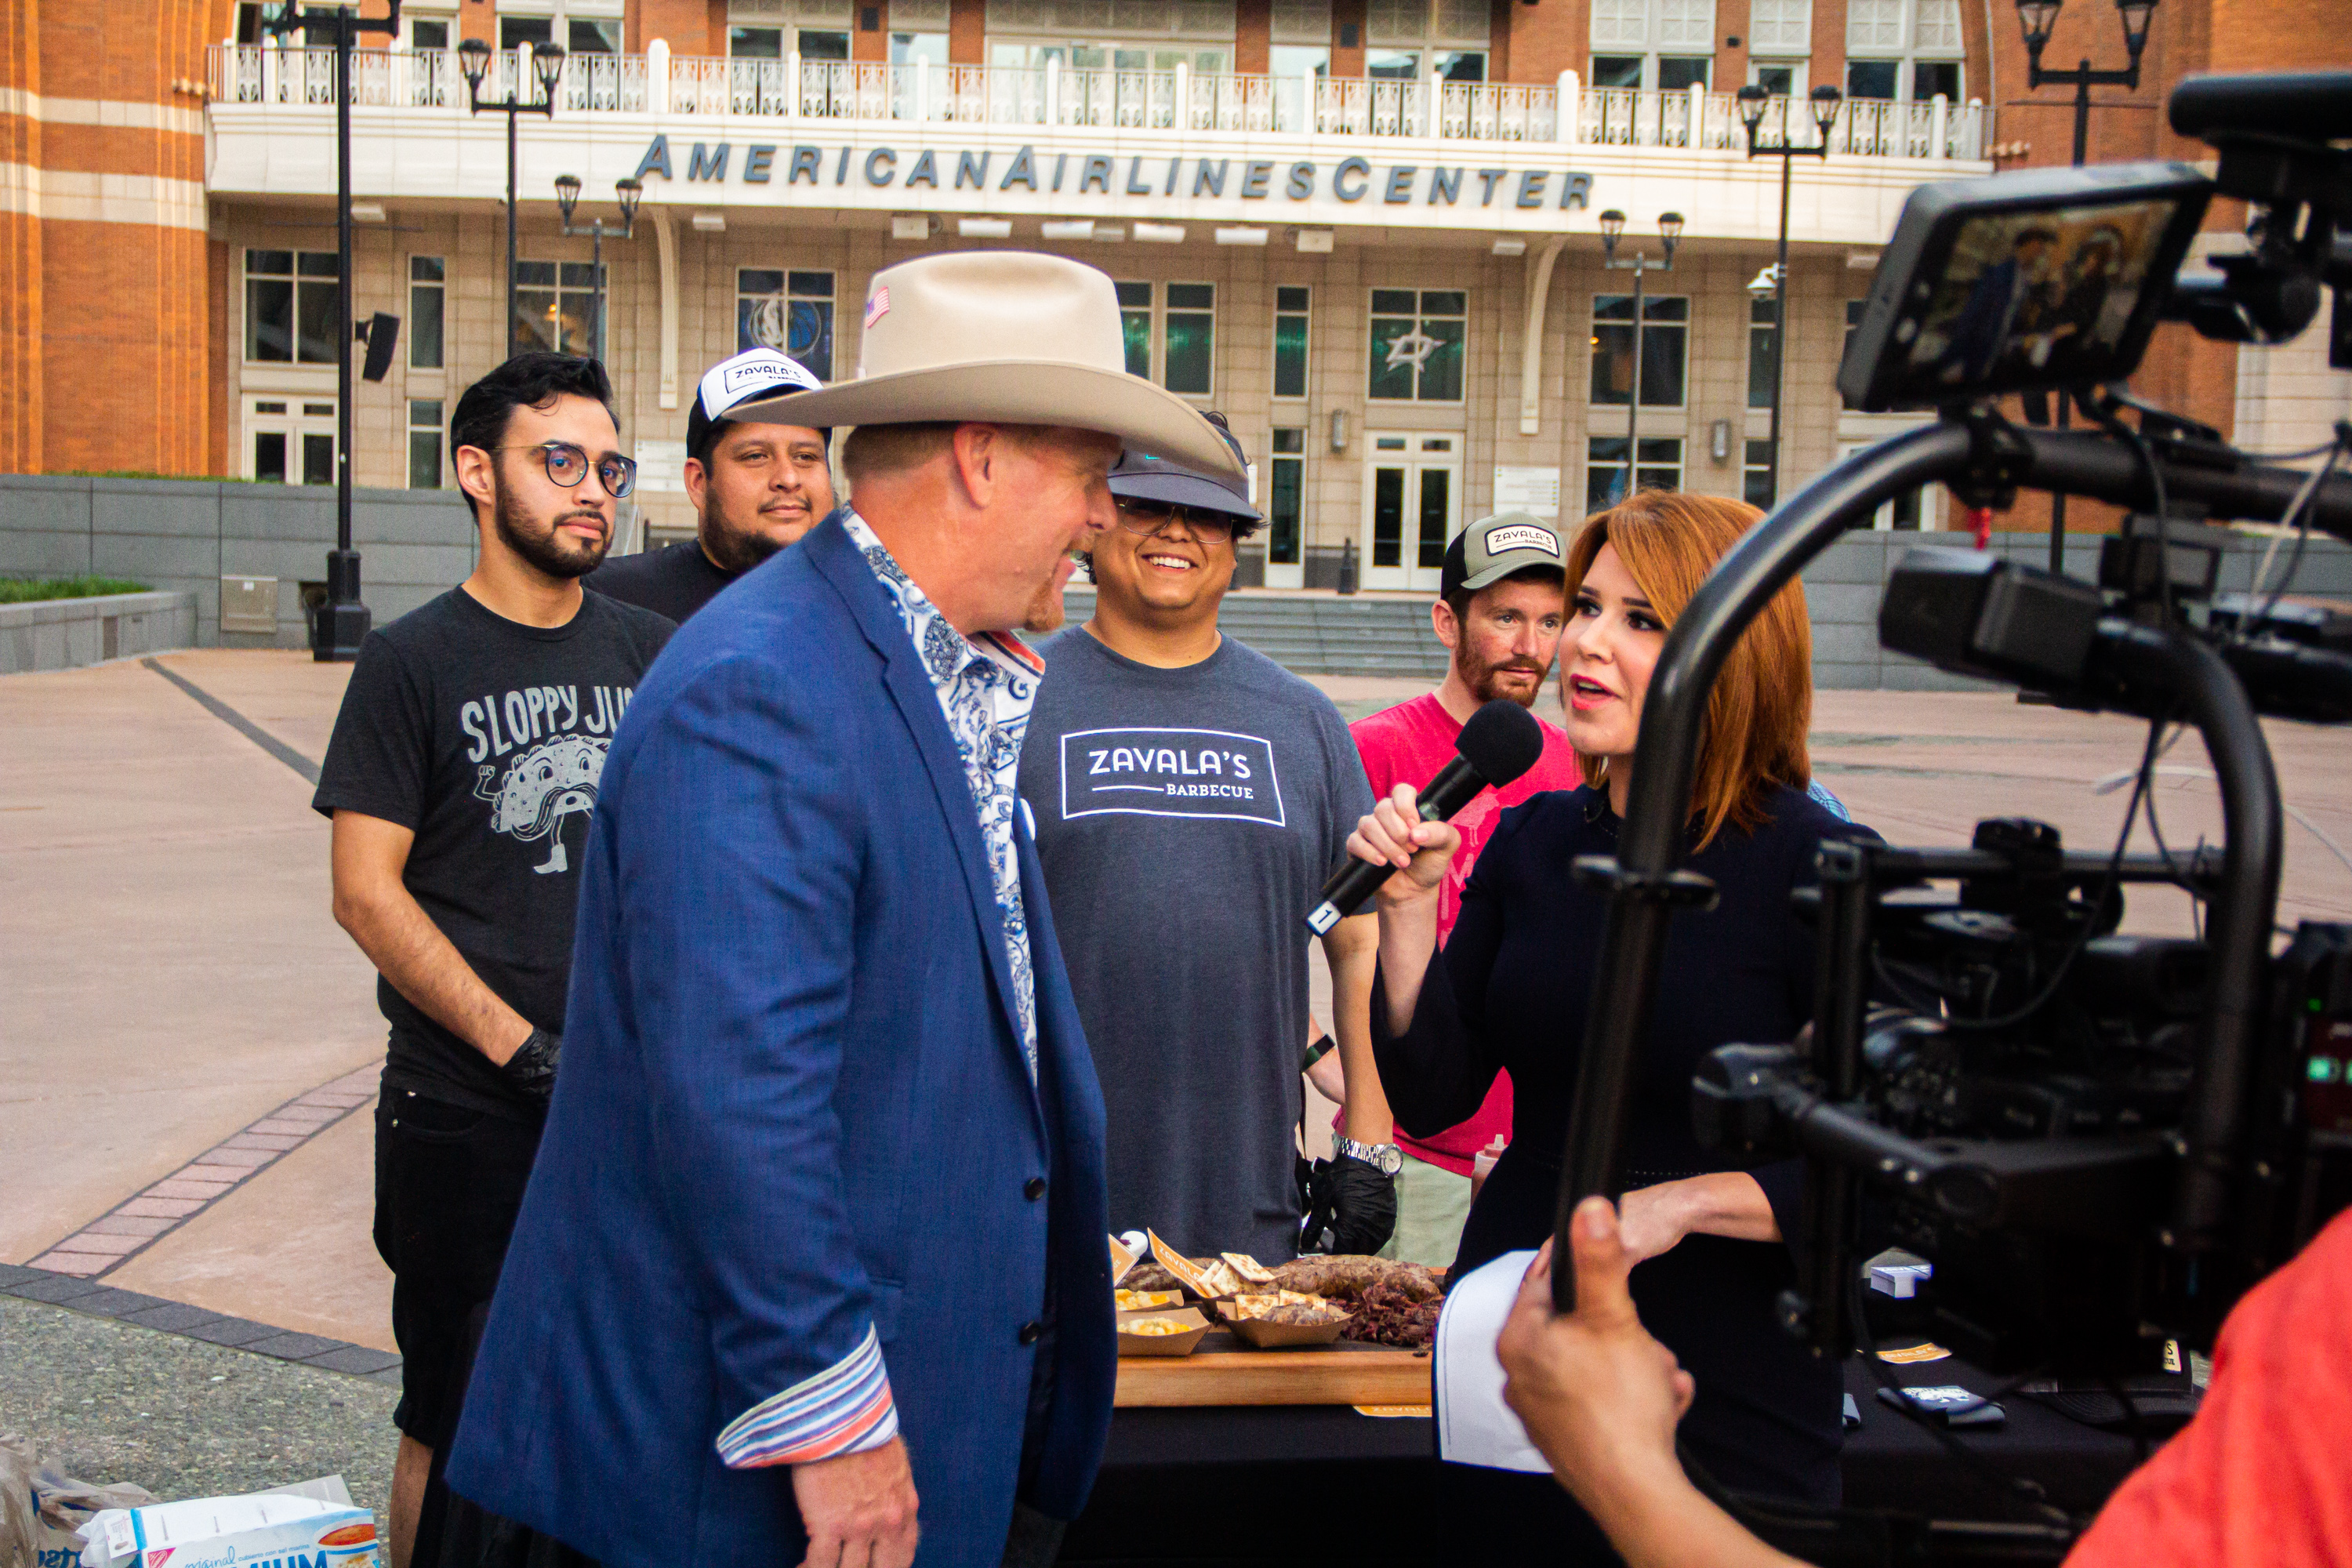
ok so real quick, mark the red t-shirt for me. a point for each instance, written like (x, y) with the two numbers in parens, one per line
(2263, 1474)
(1407, 744)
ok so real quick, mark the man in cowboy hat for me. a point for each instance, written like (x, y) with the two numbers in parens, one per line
(817, 1256)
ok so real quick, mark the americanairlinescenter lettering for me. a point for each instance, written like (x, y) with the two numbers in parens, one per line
(1099, 173)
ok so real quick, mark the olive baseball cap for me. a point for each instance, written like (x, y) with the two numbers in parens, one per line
(1491, 548)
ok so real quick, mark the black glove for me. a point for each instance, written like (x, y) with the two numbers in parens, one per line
(1363, 1203)
(1314, 1207)
(532, 1068)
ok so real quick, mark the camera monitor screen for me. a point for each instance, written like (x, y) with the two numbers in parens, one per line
(2045, 279)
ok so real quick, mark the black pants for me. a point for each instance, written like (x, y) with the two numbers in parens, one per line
(448, 1184)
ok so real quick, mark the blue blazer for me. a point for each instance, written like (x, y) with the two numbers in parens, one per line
(793, 1104)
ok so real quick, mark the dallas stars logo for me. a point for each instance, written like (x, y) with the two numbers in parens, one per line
(1413, 349)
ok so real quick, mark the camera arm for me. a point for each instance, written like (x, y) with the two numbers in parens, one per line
(1645, 880)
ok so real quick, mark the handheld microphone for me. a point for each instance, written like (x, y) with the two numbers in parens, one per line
(1501, 742)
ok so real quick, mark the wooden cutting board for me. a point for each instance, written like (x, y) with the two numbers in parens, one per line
(1224, 1370)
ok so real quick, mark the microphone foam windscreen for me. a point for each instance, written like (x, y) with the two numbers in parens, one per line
(1502, 741)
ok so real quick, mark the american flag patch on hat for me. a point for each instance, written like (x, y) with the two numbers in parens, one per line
(879, 306)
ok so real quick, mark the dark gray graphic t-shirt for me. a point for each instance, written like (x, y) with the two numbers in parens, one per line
(1186, 820)
(487, 738)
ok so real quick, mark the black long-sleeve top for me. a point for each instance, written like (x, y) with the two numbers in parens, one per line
(1511, 990)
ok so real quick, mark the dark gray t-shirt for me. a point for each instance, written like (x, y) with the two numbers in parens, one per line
(1186, 821)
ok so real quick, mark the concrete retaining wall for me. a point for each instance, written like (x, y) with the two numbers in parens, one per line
(185, 535)
(66, 634)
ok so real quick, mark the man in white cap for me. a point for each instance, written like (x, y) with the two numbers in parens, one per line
(814, 1250)
(756, 488)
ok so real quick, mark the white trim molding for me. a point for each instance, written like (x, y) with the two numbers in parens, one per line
(149, 201)
(113, 111)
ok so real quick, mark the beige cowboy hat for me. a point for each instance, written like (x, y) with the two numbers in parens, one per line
(1008, 337)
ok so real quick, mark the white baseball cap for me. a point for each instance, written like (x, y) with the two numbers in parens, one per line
(754, 372)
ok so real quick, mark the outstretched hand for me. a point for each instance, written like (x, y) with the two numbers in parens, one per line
(1597, 1395)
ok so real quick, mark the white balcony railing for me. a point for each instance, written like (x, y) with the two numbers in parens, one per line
(796, 90)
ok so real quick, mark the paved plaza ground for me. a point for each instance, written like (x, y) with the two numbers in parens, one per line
(187, 1041)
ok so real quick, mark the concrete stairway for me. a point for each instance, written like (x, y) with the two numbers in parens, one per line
(1322, 633)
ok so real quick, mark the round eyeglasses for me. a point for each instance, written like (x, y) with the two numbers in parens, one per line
(567, 464)
(1151, 519)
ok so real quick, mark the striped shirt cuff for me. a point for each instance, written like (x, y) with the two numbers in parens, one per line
(845, 1409)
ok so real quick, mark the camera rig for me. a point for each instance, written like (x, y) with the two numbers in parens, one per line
(2100, 1141)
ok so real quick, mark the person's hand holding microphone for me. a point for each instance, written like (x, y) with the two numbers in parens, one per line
(1407, 833)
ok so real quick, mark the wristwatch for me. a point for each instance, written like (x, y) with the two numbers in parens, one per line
(1386, 1158)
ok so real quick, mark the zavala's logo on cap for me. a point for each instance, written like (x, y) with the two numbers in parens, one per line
(1522, 536)
(759, 371)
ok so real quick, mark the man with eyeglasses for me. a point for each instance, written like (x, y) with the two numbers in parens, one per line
(756, 488)
(460, 777)
(1191, 796)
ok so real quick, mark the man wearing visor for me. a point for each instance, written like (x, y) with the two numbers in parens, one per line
(1191, 796)
(755, 486)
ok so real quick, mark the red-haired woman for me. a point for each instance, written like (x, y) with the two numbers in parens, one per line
(1511, 988)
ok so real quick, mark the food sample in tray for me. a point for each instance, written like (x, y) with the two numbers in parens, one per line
(1209, 1279)
(1392, 1304)
(1164, 1333)
(1251, 1270)
(1145, 1301)
(1242, 1307)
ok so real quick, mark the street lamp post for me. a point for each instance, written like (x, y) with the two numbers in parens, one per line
(1753, 101)
(341, 624)
(1612, 228)
(567, 197)
(2037, 18)
(547, 62)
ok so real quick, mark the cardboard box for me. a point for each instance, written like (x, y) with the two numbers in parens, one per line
(284, 1528)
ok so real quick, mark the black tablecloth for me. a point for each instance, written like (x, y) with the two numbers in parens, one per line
(1307, 1484)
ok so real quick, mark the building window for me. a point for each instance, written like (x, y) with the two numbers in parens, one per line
(291, 441)
(1105, 55)
(905, 48)
(1189, 358)
(755, 43)
(1604, 468)
(791, 312)
(555, 304)
(427, 292)
(594, 35)
(822, 44)
(1134, 321)
(1904, 49)
(1182, 350)
(291, 306)
(1285, 498)
(425, 443)
(1417, 344)
(1290, 319)
(1763, 355)
(1664, 343)
(516, 31)
(1756, 474)
(1666, 44)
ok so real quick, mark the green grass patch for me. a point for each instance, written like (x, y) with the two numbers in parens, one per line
(27, 590)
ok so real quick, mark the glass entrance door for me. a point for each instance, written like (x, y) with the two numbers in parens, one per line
(1413, 491)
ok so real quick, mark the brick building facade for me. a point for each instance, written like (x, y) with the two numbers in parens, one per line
(1284, 188)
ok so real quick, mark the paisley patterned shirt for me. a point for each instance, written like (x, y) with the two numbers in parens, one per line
(986, 686)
